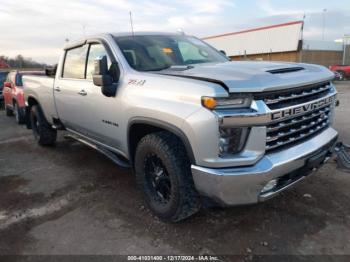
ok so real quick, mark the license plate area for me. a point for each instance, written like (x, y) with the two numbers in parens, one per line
(315, 161)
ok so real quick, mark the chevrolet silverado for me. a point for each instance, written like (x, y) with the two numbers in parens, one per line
(190, 123)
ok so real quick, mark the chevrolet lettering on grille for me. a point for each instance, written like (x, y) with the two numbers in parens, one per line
(302, 109)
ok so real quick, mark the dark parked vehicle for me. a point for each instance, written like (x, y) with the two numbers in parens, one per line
(3, 75)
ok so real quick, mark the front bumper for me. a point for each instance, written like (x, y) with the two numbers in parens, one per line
(244, 185)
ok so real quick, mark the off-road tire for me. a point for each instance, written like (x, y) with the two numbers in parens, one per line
(184, 200)
(18, 114)
(9, 112)
(42, 131)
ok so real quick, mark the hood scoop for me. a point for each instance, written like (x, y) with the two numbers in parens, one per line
(285, 70)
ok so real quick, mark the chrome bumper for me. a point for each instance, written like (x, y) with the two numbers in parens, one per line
(244, 185)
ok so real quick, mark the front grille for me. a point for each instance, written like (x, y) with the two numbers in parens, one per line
(295, 130)
(295, 96)
(288, 132)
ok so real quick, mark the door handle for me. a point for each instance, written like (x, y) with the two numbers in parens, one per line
(82, 93)
(57, 89)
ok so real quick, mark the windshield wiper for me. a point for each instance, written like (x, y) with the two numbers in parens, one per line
(181, 67)
(172, 67)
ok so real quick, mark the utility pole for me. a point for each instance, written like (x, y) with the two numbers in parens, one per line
(345, 42)
(323, 23)
(302, 40)
(131, 23)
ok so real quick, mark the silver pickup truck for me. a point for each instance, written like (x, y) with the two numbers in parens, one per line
(190, 123)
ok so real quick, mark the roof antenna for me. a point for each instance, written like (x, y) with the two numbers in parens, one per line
(131, 24)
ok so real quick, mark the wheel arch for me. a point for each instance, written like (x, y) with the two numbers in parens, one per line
(31, 101)
(150, 125)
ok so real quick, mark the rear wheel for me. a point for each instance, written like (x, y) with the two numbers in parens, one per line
(163, 172)
(9, 111)
(18, 114)
(42, 131)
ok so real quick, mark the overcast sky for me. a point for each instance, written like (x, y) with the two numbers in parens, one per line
(38, 28)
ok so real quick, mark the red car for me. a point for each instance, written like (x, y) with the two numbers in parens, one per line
(342, 72)
(13, 94)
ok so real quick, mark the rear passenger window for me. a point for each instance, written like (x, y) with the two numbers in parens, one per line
(74, 64)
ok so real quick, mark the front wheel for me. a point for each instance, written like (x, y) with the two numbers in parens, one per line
(163, 172)
(42, 131)
(18, 114)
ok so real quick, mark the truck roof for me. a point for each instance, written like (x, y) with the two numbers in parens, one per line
(120, 34)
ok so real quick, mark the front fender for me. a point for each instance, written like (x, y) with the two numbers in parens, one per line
(166, 126)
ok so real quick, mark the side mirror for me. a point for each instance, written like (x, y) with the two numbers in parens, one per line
(7, 84)
(102, 77)
(223, 52)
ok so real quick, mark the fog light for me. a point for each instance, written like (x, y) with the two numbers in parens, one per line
(269, 186)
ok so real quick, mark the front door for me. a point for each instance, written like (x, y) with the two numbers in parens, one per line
(103, 120)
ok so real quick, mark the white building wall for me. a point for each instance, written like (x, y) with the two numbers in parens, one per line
(279, 38)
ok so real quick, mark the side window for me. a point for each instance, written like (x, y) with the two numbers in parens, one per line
(19, 81)
(95, 51)
(74, 64)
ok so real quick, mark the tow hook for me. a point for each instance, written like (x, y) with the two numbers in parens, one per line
(342, 152)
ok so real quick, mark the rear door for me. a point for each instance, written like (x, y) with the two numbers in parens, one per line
(68, 89)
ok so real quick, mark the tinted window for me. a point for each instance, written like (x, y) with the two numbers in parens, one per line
(96, 51)
(74, 64)
(157, 52)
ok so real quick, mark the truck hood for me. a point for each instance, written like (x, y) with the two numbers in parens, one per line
(248, 76)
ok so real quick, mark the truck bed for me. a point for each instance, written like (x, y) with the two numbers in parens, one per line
(42, 87)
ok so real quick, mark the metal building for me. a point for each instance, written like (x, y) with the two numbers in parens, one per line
(281, 42)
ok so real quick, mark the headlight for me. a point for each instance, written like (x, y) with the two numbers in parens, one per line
(234, 101)
(232, 140)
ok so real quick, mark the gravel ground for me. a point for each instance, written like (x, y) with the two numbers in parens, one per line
(72, 200)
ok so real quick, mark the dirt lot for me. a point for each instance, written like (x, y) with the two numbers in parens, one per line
(72, 200)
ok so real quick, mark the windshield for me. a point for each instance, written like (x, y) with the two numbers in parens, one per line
(158, 52)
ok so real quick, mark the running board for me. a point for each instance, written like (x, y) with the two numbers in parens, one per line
(343, 156)
(112, 156)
